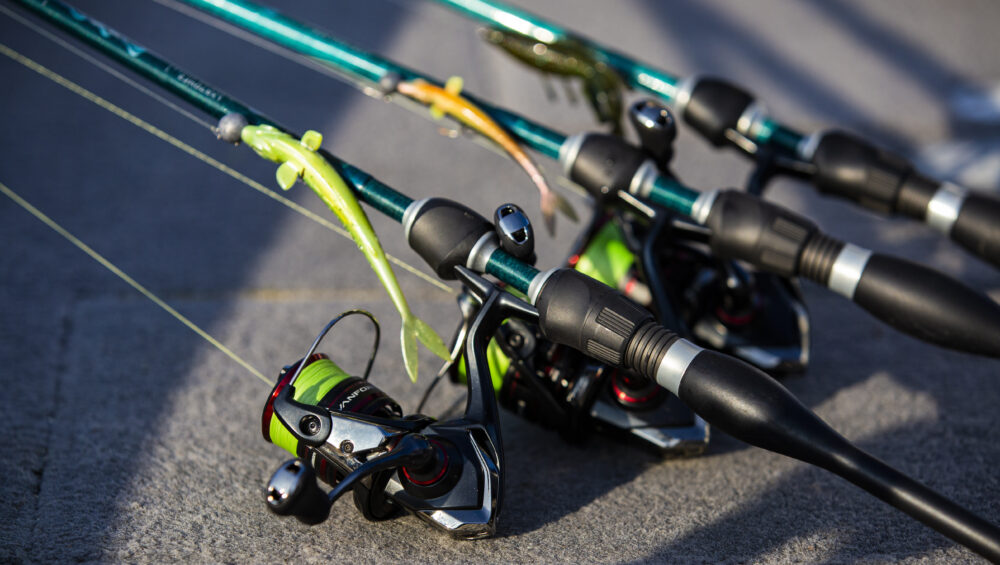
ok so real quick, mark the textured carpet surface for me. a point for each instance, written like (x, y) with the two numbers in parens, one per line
(129, 438)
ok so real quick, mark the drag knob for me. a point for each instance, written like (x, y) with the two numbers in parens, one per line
(293, 490)
(656, 128)
(517, 237)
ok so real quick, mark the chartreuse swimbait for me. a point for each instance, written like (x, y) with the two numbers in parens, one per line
(298, 158)
(602, 85)
(449, 101)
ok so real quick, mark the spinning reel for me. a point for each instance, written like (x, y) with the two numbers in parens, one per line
(349, 434)
(756, 316)
(657, 259)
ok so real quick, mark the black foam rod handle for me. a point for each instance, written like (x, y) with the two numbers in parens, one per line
(929, 305)
(751, 406)
(977, 227)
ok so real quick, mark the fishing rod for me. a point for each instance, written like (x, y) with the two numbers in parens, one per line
(571, 309)
(912, 298)
(837, 162)
(758, 317)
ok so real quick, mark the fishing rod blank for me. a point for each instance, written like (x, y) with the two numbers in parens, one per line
(843, 164)
(910, 297)
(587, 315)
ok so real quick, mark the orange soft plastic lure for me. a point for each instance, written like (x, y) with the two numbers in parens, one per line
(449, 101)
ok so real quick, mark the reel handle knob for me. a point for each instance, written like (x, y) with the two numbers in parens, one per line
(293, 490)
(657, 129)
(517, 236)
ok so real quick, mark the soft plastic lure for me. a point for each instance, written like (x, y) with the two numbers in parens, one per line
(602, 86)
(300, 159)
(448, 100)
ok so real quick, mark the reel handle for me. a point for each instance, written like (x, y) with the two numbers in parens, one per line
(412, 450)
(293, 490)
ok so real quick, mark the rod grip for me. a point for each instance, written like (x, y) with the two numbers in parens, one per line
(929, 305)
(751, 406)
(977, 227)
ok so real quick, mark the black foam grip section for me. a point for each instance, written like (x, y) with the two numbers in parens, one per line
(589, 316)
(929, 305)
(752, 407)
(915, 194)
(818, 256)
(605, 164)
(978, 226)
(850, 167)
(768, 236)
(443, 234)
(714, 107)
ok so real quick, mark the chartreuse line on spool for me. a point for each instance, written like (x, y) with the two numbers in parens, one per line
(317, 378)
(56, 227)
(910, 297)
(580, 312)
(837, 162)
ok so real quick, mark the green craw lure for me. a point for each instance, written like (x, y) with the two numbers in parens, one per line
(602, 86)
(300, 159)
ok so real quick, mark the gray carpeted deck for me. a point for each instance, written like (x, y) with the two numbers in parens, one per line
(129, 438)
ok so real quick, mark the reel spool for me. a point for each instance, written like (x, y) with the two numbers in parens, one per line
(318, 381)
(322, 383)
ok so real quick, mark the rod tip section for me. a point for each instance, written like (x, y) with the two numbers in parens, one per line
(929, 305)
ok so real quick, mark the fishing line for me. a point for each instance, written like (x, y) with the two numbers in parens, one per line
(139, 122)
(104, 66)
(317, 65)
(132, 282)
(239, 33)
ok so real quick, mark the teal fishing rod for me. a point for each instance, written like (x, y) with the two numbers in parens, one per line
(912, 298)
(838, 163)
(571, 308)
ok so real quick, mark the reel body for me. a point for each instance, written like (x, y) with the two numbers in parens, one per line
(759, 317)
(349, 434)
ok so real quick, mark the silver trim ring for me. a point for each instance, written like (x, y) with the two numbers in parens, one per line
(482, 250)
(644, 179)
(683, 93)
(537, 283)
(807, 146)
(702, 206)
(751, 118)
(410, 214)
(675, 363)
(943, 209)
(847, 269)
(570, 150)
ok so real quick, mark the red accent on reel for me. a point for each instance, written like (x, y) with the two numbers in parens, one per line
(441, 473)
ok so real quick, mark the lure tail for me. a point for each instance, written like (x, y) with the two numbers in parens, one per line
(415, 329)
(605, 98)
(552, 201)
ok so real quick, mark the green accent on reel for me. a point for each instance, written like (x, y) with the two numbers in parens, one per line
(497, 361)
(607, 258)
(317, 379)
